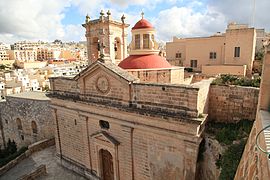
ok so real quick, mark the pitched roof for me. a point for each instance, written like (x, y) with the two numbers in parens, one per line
(111, 67)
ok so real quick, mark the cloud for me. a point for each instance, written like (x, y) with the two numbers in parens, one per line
(185, 22)
(29, 19)
(242, 11)
(43, 20)
(74, 32)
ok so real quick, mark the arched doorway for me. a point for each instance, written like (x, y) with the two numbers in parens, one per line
(19, 123)
(34, 127)
(106, 165)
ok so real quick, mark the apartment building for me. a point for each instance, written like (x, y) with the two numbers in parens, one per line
(230, 52)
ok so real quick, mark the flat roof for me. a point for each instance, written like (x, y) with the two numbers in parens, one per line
(31, 95)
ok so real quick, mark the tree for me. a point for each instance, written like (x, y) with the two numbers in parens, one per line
(2, 66)
(11, 147)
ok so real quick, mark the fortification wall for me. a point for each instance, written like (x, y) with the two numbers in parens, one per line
(232, 103)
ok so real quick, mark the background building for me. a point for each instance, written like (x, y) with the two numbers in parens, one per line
(231, 52)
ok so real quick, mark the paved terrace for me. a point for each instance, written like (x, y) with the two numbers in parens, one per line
(47, 157)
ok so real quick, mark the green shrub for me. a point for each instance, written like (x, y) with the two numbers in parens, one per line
(2, 66)
(259, 55)
(9, 158)
(227, 79)
(230, 160)
(226, 133)
(189, 69)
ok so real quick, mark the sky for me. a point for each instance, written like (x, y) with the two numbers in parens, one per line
(48, 20)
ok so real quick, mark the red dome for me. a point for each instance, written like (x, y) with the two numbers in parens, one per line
(151, 61)
(141, 24)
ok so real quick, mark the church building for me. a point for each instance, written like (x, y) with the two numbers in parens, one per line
(128, 117)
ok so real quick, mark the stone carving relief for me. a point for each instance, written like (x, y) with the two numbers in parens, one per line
(103, 84)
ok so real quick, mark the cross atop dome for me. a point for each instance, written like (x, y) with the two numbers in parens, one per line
(142, 14)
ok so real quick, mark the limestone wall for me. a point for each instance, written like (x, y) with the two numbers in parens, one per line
(254, 164)
(211, 70)
(27, 110)
(180, 98)
(172, 75)
(174, 99)
(232, 103)
(149, 148)
(203, 95)
(63, 84)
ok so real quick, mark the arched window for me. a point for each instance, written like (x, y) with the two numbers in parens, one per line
(34, 127)
(137, 41)
(117, 48)
(19, 123)
(146, 41)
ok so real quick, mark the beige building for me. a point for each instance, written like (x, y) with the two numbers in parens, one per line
(28, 55)
(3, 55)
(26, 45)
(113, 125)
(231, 52)
(46, 53)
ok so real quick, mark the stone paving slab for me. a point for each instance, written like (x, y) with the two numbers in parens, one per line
(47, 156)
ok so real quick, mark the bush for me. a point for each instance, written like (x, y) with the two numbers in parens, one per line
(46, 88)
(4, 161)
(189, 69)
(2, 66)
(226, 133)
(227, 79)
(259, 55)
(230, 160)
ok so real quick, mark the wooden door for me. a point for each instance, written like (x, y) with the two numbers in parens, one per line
(107, 165)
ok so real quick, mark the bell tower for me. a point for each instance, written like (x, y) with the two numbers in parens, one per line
(106, 38)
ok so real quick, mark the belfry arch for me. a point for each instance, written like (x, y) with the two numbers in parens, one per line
(95, 48)
(112, 34)
(118, 49)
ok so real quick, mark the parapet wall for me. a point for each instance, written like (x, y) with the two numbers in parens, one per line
(64, 84)
(172, 100)
(180, 98)
(232, 103)
(212, 70)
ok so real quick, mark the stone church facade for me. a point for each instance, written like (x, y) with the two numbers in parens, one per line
(113, 124)
(110, 125)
